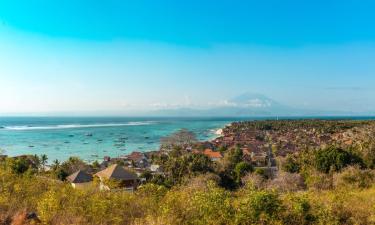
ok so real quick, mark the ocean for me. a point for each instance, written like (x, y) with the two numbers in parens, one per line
(92, 138)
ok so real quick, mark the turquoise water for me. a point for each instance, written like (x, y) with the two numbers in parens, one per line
(93, 138)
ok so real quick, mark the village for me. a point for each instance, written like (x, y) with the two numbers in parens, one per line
(259, 161)
(260, 143)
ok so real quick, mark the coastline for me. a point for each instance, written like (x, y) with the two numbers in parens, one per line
(91, 142)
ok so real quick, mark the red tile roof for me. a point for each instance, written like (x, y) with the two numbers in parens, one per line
(212, 154)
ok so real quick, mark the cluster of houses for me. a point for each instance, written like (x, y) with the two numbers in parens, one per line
(126, 179)
(124, 170)
(252, 144)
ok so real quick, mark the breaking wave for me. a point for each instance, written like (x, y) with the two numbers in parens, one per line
(73, 126)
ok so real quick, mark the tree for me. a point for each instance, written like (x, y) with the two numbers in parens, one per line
(73, 165)
(259, 207)
(18, 165)
(43, 161)
(199, 163)
(291, 164)
(55, 164)
(60, 173)
(146, 175)
(333, 158)
(231, 159)
(96, 165)
(241, 169)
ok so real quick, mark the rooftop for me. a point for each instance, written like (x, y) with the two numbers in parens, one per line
(117, 172)
(79, 177)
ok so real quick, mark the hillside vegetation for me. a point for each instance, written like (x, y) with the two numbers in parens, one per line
(329, 181)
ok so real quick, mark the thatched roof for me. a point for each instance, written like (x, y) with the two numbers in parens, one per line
(117, 172)
(79, 177)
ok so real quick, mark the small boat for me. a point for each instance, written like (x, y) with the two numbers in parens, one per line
(88, 135)
(66, 142)
(31, 146)
(85, 143)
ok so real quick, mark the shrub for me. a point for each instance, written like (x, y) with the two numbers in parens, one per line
(260, 172)
(317, 180)
(291, 164)
(354, 177)
(254, 180)
(258, 207)
(241, 169)
(287, 182)
(335, 159)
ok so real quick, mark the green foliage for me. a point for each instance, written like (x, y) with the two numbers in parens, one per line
(231, 158)
(241, 169)
(333, 158)
(189, 192)
(73, 165)
(43, 160)
(256, 207)
(179, 166)
(261, 172)
(291, 164)
(59, 203)
(20, 165)
(199, 163)
(146, 175)
(60, 173)
(96, 165)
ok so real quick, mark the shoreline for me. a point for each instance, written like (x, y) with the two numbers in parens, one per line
(99, 154)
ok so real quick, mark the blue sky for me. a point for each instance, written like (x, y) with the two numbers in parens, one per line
(114, 56)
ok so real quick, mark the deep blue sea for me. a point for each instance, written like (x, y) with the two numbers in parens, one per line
(93, 138)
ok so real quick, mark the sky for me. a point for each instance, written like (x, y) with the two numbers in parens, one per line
(81, 56)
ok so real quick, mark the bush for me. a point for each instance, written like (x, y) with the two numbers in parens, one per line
(258, 207)
(287, 182)
(254, 180)
(19, 165)
(291, 164)
(261, 172)
(354, 177)
(334, 159)
(318, 180)
(241, 169)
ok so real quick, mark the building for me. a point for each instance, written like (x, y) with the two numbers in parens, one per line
(214, 156)
(80, 179)
(139, 159)
(126, 179)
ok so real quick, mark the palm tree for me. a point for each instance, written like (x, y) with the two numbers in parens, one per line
(43, 159)
(56, 164)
